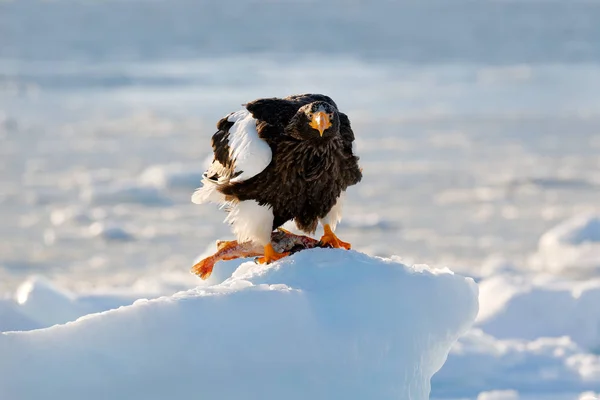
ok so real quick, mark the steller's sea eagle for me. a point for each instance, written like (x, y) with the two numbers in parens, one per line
(282, 159)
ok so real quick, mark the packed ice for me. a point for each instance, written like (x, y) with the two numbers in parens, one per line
(321, 324)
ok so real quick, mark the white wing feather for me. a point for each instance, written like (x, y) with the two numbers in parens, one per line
(250, 153)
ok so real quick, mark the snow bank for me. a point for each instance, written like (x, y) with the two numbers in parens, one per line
(12, 319)
(514, 395)
(572, 247)
(37, 303)
(479, 362)
(321, 324)
(43, 303)
(529, 307)
(589, 396)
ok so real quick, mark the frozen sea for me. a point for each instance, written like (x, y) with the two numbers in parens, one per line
(477, 124)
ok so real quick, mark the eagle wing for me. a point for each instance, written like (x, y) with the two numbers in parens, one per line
(239, 154)
(241, 144)
(352, 172)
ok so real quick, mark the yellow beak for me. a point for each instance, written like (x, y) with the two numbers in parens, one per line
(320, 121)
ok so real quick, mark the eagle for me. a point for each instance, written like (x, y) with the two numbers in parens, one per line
(278, 160)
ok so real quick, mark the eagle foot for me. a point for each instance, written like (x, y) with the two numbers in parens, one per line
(329, 239)
(271, 255)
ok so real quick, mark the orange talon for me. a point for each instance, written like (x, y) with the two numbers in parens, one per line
(330, 239)
(271, 255)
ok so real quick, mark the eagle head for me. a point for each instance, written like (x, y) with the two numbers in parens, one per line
(318, 119)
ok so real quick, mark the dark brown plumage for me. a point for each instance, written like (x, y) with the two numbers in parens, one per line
(312, 160)
(306, 176)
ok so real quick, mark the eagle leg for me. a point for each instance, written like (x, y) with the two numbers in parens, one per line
(271, 255)
(329, 239)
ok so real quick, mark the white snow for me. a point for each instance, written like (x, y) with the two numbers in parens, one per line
(368, 221)
(37, 303)
(529, 307)
(124, 192)
(65, 215)
(572, 247)
(499, 395)
(589, 396)
(320, 324)
(479, 362)
(575, 231)
(172, 176)
(12, 319)
(41, 302)
(110, 232)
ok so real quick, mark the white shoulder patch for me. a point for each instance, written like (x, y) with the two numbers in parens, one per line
(249, 152)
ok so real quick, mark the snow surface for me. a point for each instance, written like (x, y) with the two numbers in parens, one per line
(572, 247)
(321, 324)
(529, 307)
(544, 366)
(172, 176)
(536, 334)
(126, 192)
(37, 303)
(499, 395)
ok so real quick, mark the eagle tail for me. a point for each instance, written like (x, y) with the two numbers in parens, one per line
(208, 193)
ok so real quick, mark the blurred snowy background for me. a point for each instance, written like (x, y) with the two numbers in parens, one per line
(477, 122)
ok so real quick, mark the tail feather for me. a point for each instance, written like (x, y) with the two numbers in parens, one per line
(208, 193)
